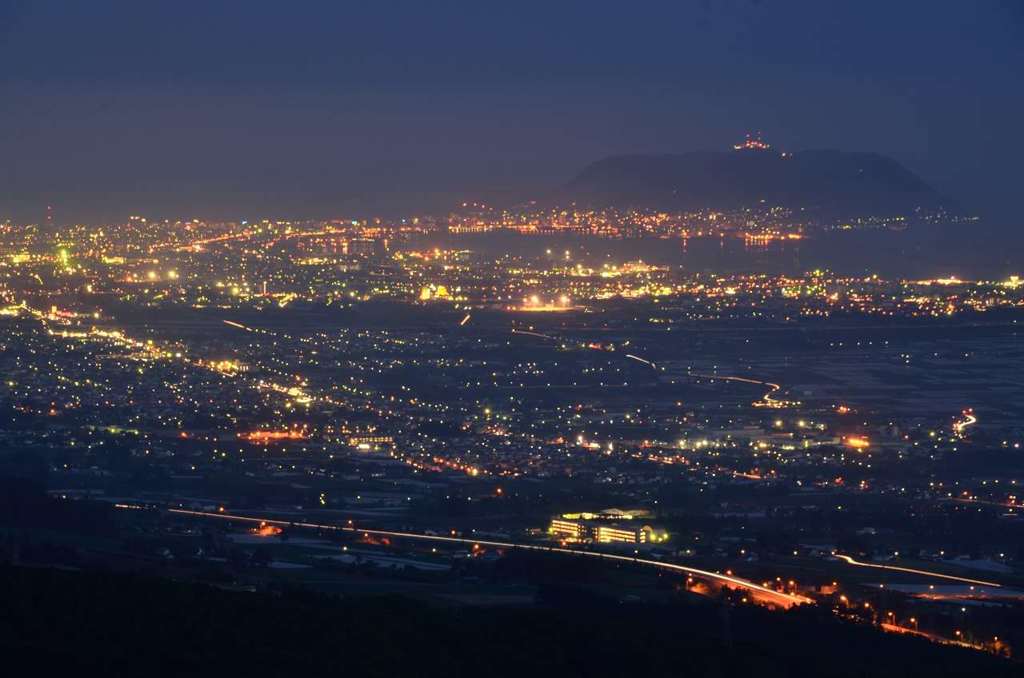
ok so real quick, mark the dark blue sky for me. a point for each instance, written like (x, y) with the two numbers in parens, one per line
(325, 108)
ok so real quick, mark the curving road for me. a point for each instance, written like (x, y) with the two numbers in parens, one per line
(849, 560)
(780, 598)
(766, 398)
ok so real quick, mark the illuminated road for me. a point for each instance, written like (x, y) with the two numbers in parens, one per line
(535, 334)
(779, 598)
(935, 638)
(984, 502)
(766, 398)
(641, 360)
(964, 580)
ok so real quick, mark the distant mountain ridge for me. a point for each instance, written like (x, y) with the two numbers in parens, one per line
(827, 180)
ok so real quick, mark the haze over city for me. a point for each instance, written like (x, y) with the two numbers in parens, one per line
(505, 339)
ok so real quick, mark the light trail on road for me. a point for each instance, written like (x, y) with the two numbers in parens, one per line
(641, 360)
(766, 398)
(784, 599)
(849, 560)
(934, 637)
(535, 334)
(984, 502)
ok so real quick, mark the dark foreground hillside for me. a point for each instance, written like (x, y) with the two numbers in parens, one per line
(111, 625)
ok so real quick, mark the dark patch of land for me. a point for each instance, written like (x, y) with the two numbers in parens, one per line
(836, 180)
(126, 625)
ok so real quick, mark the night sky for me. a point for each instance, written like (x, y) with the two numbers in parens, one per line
(321, 109)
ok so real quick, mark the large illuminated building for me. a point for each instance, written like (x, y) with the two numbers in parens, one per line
(607, 527)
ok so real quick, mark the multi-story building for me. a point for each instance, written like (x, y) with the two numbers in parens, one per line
(597, 528)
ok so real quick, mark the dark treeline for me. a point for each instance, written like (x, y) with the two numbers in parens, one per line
(104, 624)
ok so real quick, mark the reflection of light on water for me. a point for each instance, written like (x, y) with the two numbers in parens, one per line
(914, 253)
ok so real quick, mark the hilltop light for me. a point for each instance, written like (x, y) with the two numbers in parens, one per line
(752, 142)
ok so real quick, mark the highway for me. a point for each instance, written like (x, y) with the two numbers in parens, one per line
(534, 334)
(849, 560)
(984, 502)
(766, 398)
(645, 361)
(785, 600)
